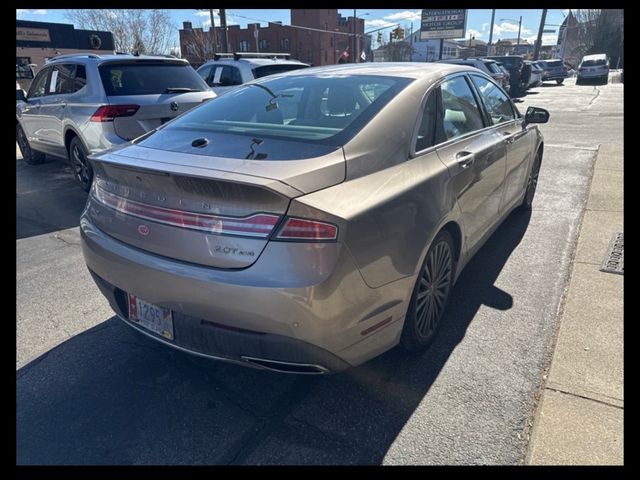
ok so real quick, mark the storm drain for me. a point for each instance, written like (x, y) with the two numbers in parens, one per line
(614, 259)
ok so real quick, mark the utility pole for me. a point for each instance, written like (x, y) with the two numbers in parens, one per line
(223, 26)
(536, 51)
(213, 32)
(441, 48)
(493, 14)
(519, 28)
(355, 39)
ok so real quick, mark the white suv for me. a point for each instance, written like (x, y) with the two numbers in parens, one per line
(227, 70)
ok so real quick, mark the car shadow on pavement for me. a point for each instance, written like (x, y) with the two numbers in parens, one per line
(113, 396)
(47, 198)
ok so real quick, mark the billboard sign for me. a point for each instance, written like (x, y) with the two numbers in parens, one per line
(443, 23)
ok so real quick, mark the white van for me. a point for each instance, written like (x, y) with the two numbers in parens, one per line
(594, 66)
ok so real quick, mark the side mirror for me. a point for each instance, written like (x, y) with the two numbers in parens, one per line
(21, 95)
(536, 115)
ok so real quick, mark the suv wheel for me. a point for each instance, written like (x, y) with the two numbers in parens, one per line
(82, 170)
(30, 156)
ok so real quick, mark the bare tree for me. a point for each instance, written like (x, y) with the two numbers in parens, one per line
(198, 46)
(397, 51)
(144, 31)
(601, 31)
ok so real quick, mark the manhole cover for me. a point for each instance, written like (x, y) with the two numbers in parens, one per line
(614, 259)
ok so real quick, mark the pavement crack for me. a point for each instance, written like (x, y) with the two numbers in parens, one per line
(584, 397)
(57, 236)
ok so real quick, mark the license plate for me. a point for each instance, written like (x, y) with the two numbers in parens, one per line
(152, 317)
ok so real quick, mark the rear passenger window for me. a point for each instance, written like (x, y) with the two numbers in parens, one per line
(427, 129)
(204, 73)
(497, 103)
(68, 78)
(461, 114)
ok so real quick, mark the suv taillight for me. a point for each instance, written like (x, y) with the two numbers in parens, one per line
(107, 113)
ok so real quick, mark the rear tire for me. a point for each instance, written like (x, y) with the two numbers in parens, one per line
(532, 184)
(431, 295)
(559, 82)
(82, 170)
(30, 156)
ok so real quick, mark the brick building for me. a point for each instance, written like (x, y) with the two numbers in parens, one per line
(313, 43)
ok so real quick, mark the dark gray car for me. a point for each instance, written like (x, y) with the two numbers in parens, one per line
(309, 221)
(86, 103)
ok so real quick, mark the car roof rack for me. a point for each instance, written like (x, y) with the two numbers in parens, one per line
(240, 55)
(71, 55)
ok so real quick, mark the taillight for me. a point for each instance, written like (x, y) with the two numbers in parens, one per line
(307, 230)
(256, 225)
(107, 113)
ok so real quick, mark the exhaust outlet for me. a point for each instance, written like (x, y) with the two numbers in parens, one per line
(287, 367)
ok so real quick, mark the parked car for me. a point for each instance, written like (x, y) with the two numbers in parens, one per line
(505, 72)
(488, 66)
(594, 66)
(84, 103)
(519, 73)
(309, 221)
(226, 71)
(24, 75)
(553, 70)
(535, 77)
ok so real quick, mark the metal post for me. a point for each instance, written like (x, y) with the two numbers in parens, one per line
(255, 35)
(213, 31)
(493, 14)
(536, 50)
(355, 39)
(223, 26)
(411, 43)
(519, 28)
(441, 47)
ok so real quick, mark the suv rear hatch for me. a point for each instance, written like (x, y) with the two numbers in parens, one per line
(143, 93)
(209, 210)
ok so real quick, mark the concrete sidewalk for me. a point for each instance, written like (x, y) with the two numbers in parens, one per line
(579, 420)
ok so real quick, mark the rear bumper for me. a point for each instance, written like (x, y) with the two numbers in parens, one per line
(244, 315)
(554, 76)
(596, 74)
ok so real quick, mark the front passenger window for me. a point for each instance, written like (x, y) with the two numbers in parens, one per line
(460, 111)
(497, 103)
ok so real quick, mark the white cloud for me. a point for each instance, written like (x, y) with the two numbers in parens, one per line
(377, 24)
(20, 12)
(202, 14)
(475, 33)
(546, 39)
(406, 15)
(506, 27)
(485, 27)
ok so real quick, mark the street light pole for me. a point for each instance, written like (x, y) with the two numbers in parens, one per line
(519, 28)
(355, 39)
(493, 15)
(536, 50)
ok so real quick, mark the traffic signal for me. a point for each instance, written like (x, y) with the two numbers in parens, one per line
(399, 33)
(379, 37)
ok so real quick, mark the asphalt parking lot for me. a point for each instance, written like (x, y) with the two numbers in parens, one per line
(90, 390)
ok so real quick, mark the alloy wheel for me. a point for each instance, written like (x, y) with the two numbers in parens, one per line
(80, 165)
(433, 290)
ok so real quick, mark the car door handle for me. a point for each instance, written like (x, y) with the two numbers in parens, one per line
(465, 159)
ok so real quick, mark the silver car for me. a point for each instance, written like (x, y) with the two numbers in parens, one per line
(84, 103)
(309, 221)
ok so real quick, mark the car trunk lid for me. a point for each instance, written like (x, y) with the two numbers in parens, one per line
(206, 210)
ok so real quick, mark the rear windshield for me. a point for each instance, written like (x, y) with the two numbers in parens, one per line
(493, 68)
(265, 70)
(324, 108)
(594, 63)
(511, 61)
(149, 78)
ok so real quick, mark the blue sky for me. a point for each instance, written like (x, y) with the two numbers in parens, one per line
(478, 21)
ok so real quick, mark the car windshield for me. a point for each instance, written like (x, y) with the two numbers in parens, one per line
(594, 63)
(147, 78)
(263, 71)
(324, 108)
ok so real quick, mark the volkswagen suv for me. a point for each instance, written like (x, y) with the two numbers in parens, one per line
(84, 103)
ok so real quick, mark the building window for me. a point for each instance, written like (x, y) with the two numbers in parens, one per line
(264, 45)
(23, 70)
(244, 45)
(284, 44)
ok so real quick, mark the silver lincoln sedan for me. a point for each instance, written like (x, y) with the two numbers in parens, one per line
(309, 221)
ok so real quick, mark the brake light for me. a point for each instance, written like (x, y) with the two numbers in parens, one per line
(256, 225)
(310, 230)
(107, 113)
